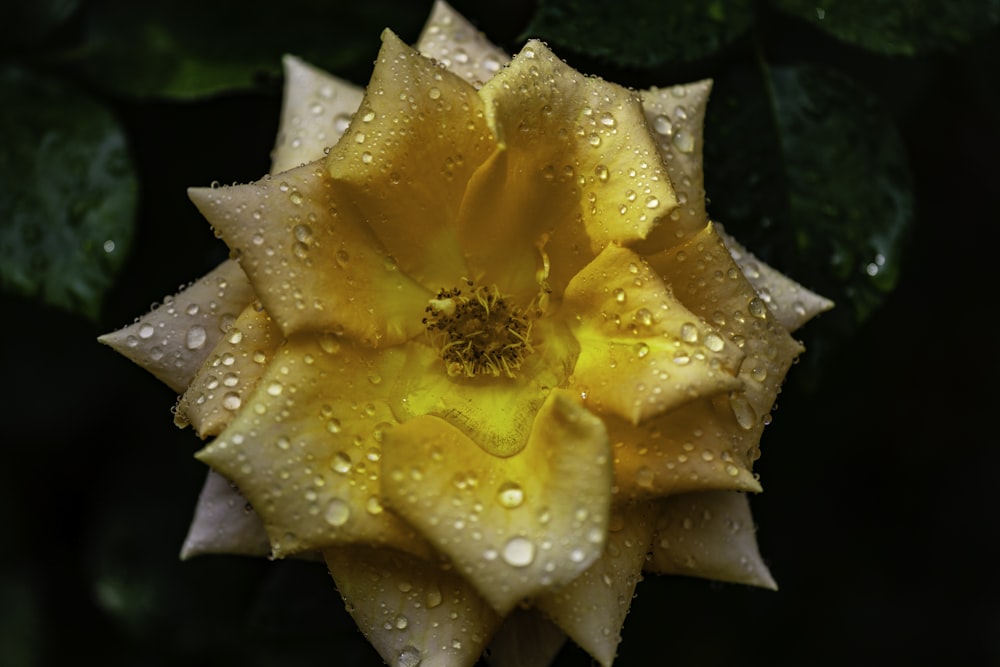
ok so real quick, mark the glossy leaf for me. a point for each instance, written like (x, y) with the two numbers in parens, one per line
(891, 27)
(69, 193)
(187, 48)
(807, 169)
(668, 32)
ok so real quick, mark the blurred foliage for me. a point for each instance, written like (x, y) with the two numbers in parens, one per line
(825, 119)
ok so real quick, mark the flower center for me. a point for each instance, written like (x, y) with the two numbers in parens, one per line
(478, 332)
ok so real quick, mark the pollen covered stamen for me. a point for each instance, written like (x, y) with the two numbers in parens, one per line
(478, 332)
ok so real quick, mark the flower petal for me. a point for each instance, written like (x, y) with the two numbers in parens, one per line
(579, 169)
(704, 277)
(306, 458)
(497, 413)
(692, 448)
(792, 304)
(526, 639)
(313, 262)
(454, 42)
(676, 117)
(175, 338)
(513, 526)
(592, 608)
(412, 610)
(224, 523)
(229, 375)
(709, 535)
(406, 158)
(315, 111)
(642, 352)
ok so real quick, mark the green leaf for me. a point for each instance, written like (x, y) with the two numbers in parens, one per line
(892, 27)
(68, 196)
(809, 172)
(190, 48)
(637, 33)
(27, 22)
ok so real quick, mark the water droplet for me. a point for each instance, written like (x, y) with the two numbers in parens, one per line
(606, 119)
(714, 342)
(366, 157)
(684, 141)
(333, 426)
(409, 656)
(146, 331)
(644, 477)
(594, 139)
(341, 463)
(510, 495)
(337, 512)
(743, 411)
(295, 197)
(196, 337)
(434, 93)
(644, 316)
(757, 308)
(652, 202)
(641, 350)
(433, 597)
(275, 389)
(602, 173)
(759, 373)
(519, 552)
(620, 295)
(689, 333)
(232, 401)
(663, 125)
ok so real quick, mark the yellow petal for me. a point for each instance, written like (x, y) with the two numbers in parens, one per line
(515, 526)
(173, 340)
(315, 111)
(526, 639)
(413, 611)
(792, 304)
(224, 523)
(709, 535)
(676, 117)
(313, 262)
(406, 158)
(642, 352)
(229, 374)
(705, 278)
(454, 42)
(580, 169)
(692, 448)
(306, 457)
(497, 413)
(591, 609)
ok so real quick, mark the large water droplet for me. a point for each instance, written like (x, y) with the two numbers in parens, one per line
(409, 656)
(337, 512)
(196, 337)
(510, 495)
(519, 552)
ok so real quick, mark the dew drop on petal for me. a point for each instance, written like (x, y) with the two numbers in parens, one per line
(196, 337)
(409, 656)
(510, 495)
(519, 552)
(337, 512)
(743, 411)
(232, 401)
(341, 463)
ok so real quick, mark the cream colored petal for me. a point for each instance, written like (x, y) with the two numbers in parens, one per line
(791, 303)
(705, 278)
(313, 262)
(414, 611)
(692, 448)
(406, 158)
(224, 523)
(515, 526)
(229, 374)
(497, 413)
(526, 639)
(591, 609)
(454, 42)
(578, 170)
(315, 111)
(175, 338)
(642, 352)
(709, 535)
(676, 117)
(305, 448)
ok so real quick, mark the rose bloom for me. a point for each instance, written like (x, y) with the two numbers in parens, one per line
(479, 348)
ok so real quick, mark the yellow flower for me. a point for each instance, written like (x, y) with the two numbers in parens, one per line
(480, 348)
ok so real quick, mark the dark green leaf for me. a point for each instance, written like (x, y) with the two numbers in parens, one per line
(27, 22)
(808, 170)
(898, 28)
(190, 48)
(637, 33)
(68, 196)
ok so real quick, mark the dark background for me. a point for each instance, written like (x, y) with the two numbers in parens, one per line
(879, 513)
